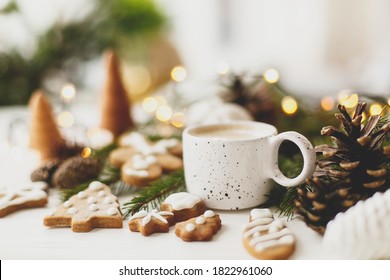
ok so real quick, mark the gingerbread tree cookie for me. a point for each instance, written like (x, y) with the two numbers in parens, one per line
(13, 200)
(93, 208)
(266, 238)
(115, 114)
(44, 134)
(150, 222)
(201, 228)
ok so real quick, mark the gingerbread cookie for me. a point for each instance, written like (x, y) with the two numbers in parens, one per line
(201, 228)
(119, 156)
(141, 144)
(13, 200)
(92, 208)
(266, 238)
(142, 161)
(141, 170)
(149, 223)
(183, 205)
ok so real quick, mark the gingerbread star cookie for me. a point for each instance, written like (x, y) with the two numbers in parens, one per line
(148, 223)
(12, 200)
(201, 228)
(183, 205)
(266, 238)
(92, 208)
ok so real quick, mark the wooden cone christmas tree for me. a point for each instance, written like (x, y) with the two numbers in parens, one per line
(44, 134)
(115, 104)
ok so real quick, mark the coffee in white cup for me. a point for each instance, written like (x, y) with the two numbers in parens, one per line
(230, 165)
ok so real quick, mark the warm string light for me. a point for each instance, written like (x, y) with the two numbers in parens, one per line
(222, 68)
(348, 98)
(271, 76)
(68, 93)
(327, 103)
(150, 104)
(164, 113)
(289, 105)
(86, 152)
(65, 119)
(375, 109)
(178, 119)
(178, 73)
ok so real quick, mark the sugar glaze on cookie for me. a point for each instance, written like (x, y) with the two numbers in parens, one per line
(267, 238)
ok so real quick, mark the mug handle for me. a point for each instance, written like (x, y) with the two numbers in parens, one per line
(307, 150)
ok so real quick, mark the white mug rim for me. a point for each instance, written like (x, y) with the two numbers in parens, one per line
(272, 130)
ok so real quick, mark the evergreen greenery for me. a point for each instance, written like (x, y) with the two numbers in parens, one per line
(152, 195)
(112, 24)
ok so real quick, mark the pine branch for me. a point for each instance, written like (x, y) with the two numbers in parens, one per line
(104, 151)
(152, 195)
(68, 193)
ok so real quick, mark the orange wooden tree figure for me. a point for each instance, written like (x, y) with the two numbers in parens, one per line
(44, 134)
(115, 114)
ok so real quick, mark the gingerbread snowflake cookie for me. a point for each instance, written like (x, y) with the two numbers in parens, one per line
(266, 238)
(148, 223)
(12, 200)
(142, 161)
(92, 208)
(183, 205)
(201, 228)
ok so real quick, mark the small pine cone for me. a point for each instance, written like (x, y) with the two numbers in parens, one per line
(45, 172)
(76, 170)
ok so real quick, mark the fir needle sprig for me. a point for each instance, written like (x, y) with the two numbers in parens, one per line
(152, 195)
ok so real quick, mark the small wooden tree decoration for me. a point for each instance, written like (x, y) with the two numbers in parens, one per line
(115, 104)
(44, 134)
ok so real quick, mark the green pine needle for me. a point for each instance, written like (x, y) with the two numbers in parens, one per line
(68, 193)
(152, 195)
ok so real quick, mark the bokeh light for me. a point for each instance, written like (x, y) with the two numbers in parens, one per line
(348, 98)
(327, 103)
(68, 92)
(375, 109)
(178, 73)
(164, 113)
(178, 119)
(150, 104)
(65, 119)
(271, 76)
(222, 68)
(86, 152)
(289, 105)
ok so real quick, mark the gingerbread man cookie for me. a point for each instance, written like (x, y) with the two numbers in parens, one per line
(142, 162)
(148, 223)
(183, 205)
(13, 200)
(92, 208)
(201, 228)
(266, 238)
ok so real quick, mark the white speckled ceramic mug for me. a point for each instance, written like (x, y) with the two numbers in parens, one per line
(230, 166)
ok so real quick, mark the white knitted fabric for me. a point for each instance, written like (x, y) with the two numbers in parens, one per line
(363, 231)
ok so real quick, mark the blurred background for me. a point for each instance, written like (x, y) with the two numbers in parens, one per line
(282, 61)
(318, 47)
